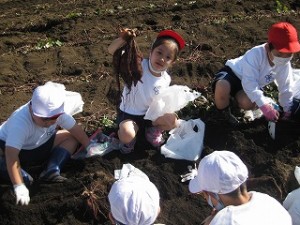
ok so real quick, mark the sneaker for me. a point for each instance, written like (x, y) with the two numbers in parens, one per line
(154, 136)
(257, 113)
(128, 148)
(248, 115)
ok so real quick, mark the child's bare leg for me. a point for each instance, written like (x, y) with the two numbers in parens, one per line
(127, 131)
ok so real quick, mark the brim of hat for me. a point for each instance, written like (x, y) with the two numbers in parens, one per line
(292, 48)
(194, 186)
(52, 113)
(174, 35)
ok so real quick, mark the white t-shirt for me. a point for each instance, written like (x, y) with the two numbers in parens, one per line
(262, 209)
(292, 205)
(255, 72)
(138, 100)
(20, 131)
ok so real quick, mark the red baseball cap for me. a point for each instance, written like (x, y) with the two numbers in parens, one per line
(284, 37)
(174, 35)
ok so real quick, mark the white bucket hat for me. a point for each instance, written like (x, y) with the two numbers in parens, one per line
(220, 172)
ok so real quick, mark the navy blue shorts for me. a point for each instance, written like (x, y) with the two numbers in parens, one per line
(295, 109)
(226, 73)
(34, 157)
(139, 120)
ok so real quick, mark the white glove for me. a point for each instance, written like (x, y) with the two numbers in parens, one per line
(22, 194)
(189, 176)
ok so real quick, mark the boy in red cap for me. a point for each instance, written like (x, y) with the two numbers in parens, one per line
(137, 97)
(243, 78)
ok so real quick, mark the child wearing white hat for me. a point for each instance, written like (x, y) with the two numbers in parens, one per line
(31, 136)
(134, 200)
(221, 181)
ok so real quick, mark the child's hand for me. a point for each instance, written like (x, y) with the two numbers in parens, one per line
(126, 33)
(269, 112)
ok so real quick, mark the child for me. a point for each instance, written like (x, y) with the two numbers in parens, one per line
(137, 97)
(31, 137)
(244, 77)
(133, 200)
(222, 181)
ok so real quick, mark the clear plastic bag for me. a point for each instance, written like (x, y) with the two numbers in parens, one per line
(185, 141)
(170, 100)
(100, 145)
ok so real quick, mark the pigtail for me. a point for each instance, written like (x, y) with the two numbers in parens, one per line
(127, 61)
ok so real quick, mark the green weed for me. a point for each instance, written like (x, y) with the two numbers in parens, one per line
(107, 122)
(74, 15)
(44, 44)
(280, 7)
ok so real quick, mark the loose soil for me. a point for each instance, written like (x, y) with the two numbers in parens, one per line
(214, 30)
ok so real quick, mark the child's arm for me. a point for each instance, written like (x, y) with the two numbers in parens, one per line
(166, 122)
(80, 135)
(116, 44)
(120, 41)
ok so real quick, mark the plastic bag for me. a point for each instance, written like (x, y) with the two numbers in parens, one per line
(73, 103)
(170, 100)
(297, 173)
(129, 170)
(185, 141)
(101, 144)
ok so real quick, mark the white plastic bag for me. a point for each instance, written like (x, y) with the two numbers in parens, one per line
(297, 173)
(129, 170)
(185, 141)
(170, 100)
(73, 103)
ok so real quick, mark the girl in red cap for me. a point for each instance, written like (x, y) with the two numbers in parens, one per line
(149, 77)
(243, 78)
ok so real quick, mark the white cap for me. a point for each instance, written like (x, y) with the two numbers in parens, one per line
(48, 100)
(220, 172)
(134, 200)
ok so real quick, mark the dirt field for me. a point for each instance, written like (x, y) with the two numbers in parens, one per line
(66, 42)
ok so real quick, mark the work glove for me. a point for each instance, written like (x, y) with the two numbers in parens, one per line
(269, 112)
(22, 194)
(189, 176)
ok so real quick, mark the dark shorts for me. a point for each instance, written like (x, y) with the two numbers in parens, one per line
(139, 120)
(226, 73)
(34, 157)
(295, 109)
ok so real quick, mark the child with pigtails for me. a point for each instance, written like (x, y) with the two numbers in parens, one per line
(144, 78)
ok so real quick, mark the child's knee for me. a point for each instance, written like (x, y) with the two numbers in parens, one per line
(127, 131)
